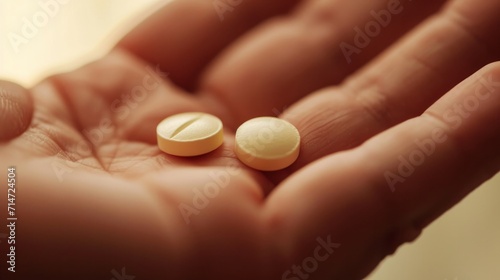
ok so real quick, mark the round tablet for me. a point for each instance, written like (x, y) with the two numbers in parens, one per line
(190, 134)
(267, 143)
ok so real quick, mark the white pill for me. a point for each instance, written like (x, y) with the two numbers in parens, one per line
(267, 143)
(190, 134)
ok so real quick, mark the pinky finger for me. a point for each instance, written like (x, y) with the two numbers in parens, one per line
(383, 193)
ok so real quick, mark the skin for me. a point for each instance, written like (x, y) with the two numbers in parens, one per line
(95, 195)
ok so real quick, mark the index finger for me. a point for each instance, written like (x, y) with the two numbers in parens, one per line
(184, 36)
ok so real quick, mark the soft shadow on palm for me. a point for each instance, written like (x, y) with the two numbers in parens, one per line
(93, 132)
(103, 118)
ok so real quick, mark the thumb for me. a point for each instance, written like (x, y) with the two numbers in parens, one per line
(16, 110)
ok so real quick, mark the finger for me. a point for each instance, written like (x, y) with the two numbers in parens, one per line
(290, 57)
(396, 183)
(444, 51)
(400, 84)
(16, 110)
(184, 36)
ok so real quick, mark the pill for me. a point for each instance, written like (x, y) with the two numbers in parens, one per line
(189, 134)
(267, 143)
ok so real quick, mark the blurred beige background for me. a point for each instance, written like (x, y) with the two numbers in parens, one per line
(464, 244)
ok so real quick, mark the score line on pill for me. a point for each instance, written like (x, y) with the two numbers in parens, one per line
(267, 143)
(190, 134)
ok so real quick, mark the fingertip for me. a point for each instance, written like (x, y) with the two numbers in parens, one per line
(16, 110)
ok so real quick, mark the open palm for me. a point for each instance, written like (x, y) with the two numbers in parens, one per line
(97, 199)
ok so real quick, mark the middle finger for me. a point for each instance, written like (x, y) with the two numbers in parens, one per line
(289, 57)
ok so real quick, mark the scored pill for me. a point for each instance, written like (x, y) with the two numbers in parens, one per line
(190, 134)
(267, 143)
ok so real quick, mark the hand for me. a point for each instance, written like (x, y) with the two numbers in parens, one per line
(381, 156)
